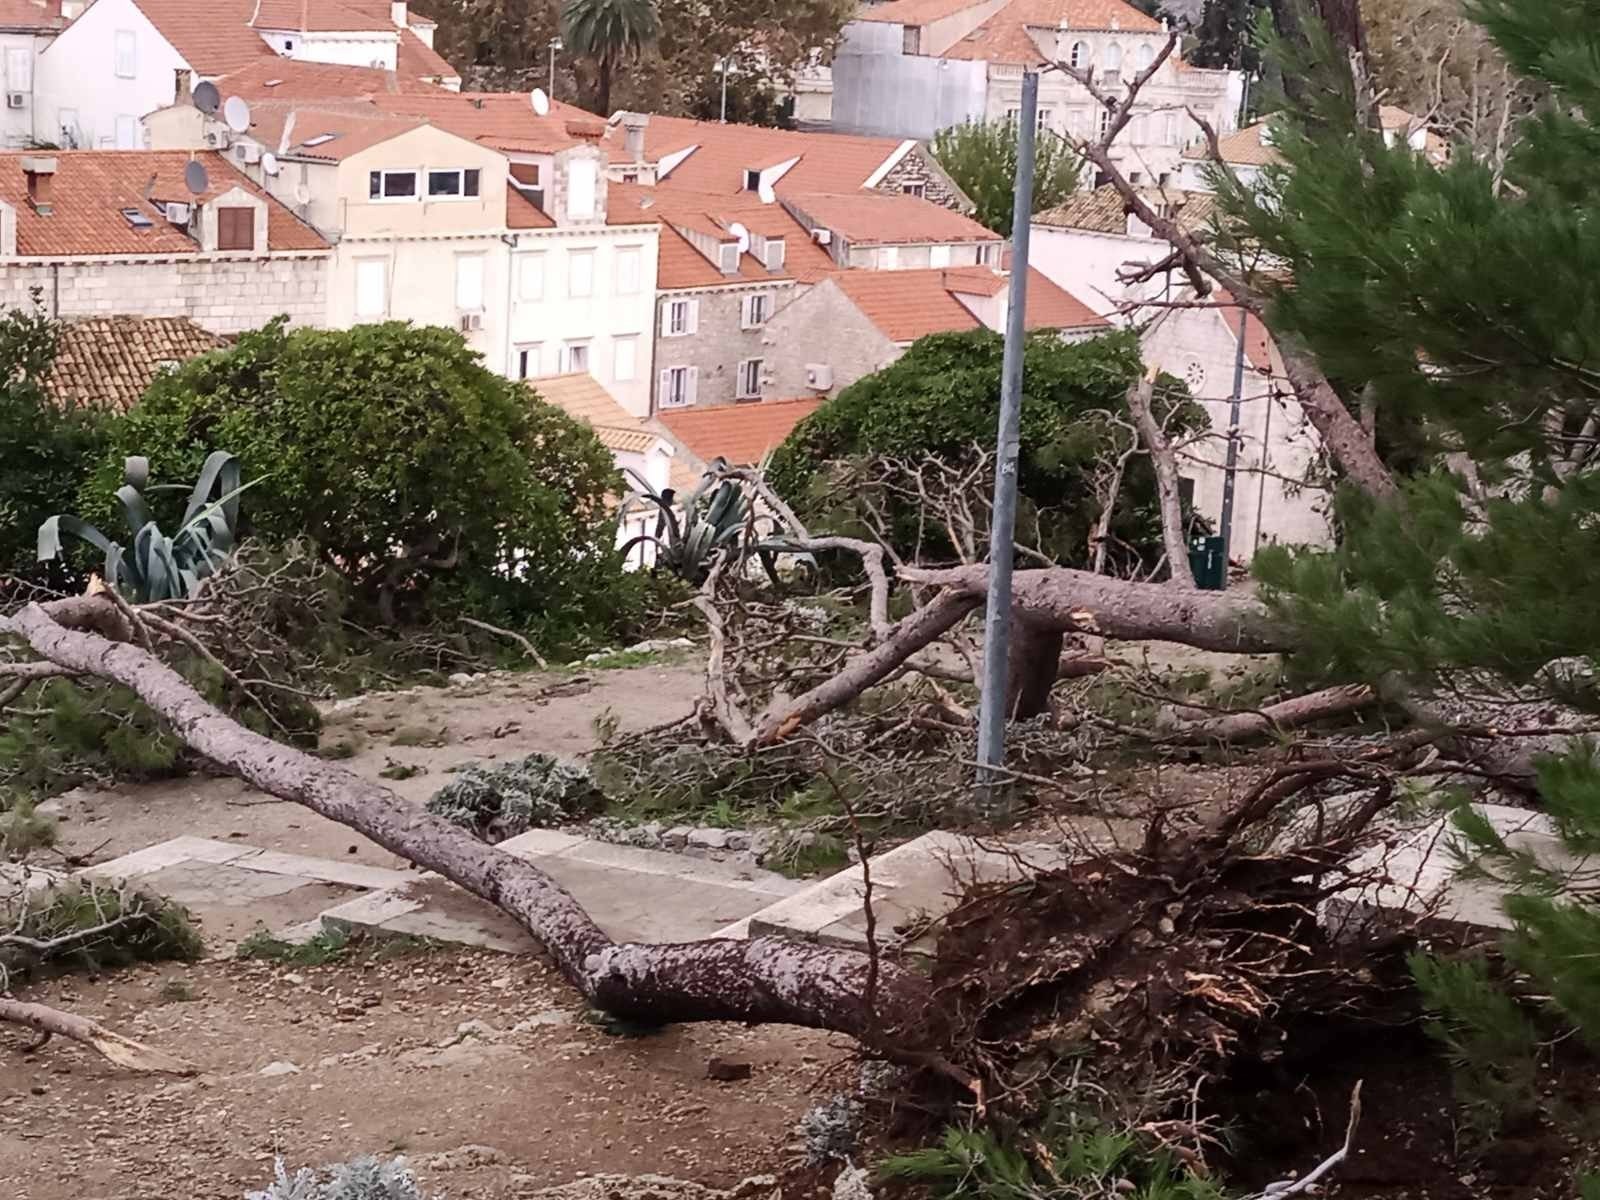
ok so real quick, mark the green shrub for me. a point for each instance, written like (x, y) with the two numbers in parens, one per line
(93, 926)
(427, 480)
(502, 800)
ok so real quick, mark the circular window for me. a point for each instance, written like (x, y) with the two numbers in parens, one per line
(1194, 374)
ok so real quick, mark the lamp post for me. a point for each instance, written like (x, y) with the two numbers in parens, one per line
(555, 45)
(722, 69)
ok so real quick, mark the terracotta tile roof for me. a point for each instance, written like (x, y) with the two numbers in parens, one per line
(740, 433)
(316, 16)
(214, 36)
(108, 362)
(868, 218)
(338, 130)
(907, 305)
(913, 12)
(1103, 210)
(502, 120)
(30, 16)
(415, 59)
(1247, 147)
(92, 188)
(828, 162)
(277, 78)
(523, 213)
(584, 398)
(1258, 345)
(1004, 37)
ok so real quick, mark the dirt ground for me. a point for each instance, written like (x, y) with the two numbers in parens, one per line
(501, 716)
(386, 1064)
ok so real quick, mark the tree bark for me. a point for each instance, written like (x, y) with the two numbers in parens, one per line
(124, 1052)
(1286, 714)
(1172, 539)
(758, 981)
(1033, 666)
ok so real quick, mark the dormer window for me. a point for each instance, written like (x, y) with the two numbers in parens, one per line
(775, 254)
(752, 181)
(728, 258)
(236, 228)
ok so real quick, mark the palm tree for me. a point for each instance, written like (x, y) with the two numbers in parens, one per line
(610, 32)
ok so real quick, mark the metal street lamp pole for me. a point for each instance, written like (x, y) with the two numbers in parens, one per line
(997, 618)
(722, 67)
(555, 44)
(1230, 474)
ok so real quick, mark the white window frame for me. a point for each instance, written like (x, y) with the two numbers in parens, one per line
(671, 326)
(363, 267)
(461, 193)
(625, 348)
(888, 258)
(570, 351)
(466, 300)
(1041, 119)
(728, 258)
(1112, 74)
(125, 54)
(1145, 56)
(755, 310)
(127, 127)
(525, 359)
(383, 184)
(19, 69)
(747, 384)
(677, 387)
(1172, 129)
(939, 256)
(630, 269)
(919, 190)
(775, 254)
(585, 276)
(1080, 56)
(531, 276)
(583, 189)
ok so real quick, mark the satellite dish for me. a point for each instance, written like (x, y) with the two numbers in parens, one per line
(541, 102)
(766, 193)
(743, 234)
(195, 178)
(302, 194)
(269, 163)
(237, 114)
(206, 97)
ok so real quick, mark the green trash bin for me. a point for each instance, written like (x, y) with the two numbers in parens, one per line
(1208, 563)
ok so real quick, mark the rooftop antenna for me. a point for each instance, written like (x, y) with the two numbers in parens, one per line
(150, 188)
(195, 178)
(206, 97)
(284, 139)
(540, 101)
(237, 114)
(764, 190)
(739, 231)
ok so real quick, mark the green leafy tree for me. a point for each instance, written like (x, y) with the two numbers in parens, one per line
(1224, 37)
(941, 399)
(982, 159)
(421, 476)
(610, 33)
(46, 450)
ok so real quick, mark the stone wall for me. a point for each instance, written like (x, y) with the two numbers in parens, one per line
(224, 295)
(918, 167)
(823, 326)
(719, 344)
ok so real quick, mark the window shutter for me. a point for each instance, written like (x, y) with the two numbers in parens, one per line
(745, 319)
(692, 392)
(666, 320)
(694, 316)
(663, 388)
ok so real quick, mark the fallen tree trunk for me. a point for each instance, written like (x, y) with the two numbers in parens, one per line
(124, 1052)
(1282, 716)
(764, 980)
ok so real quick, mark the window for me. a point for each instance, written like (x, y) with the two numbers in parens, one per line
(1041, 119)
(749, 380)
(754, 310)
(919, 190)
(728, 258)
(391, 185)
(288, 45)
(1170, 137)
(574, 358)
(625, 359)
(889, 258)
(1194, 374)
(530, 277)
(679, 318)
(580, 273)
(911, 40)
(752, 181)
(527, 360)
(1075, 122)
(127, 132)
(628, 260)
(236, 228)
(19, 69)
(581, 176)
(1080, 55)
(775, 254)
(445, 185)
(1013, 117)
(372, 287)
(1112, 73)
(677, 387)
(939, 256)
(469, 283)
(1105, 122)
(127, 57)
(1146, 56)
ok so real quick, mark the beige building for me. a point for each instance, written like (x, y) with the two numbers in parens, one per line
(102, 233)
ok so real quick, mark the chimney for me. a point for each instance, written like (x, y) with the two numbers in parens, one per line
(182, 89)
(398, 14)
(41, 176)
(633, 127)
(71, 10)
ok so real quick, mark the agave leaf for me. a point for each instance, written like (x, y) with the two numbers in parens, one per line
(136, 471)
(49, 543)
(221, 468)
(134, 510)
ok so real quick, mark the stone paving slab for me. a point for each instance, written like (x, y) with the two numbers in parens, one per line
(540, 845)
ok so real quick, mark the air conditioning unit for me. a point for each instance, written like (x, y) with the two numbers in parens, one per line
(177, 213)
(471, 322)
(248, 152)
(822, 237)
(819, 377)
(16, 99)
(212, 137)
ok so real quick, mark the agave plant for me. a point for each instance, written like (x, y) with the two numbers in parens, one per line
(711, 522)
(154, 566)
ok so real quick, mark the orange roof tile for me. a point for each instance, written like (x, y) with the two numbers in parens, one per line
(914, 12)
(108, 362)
(326, 133)
(740, 433)
(214, 36)
(277, 78)
(1004, 37)
(415, 59)
(92, 187)
(584, 398)
(868, 218)
(907, 305)
(30, 16)
(828, 162)
(315, 16)
(1247, 147)
(502, 120)
(1257, 342)
(523, 213)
